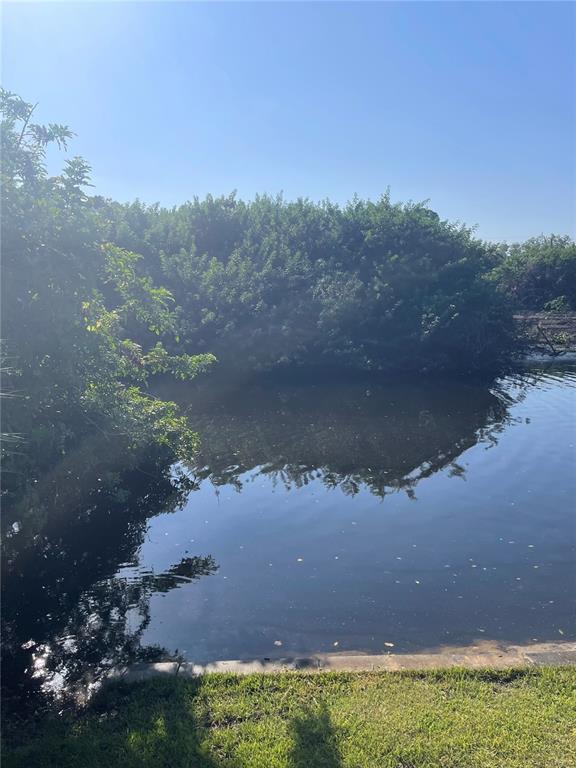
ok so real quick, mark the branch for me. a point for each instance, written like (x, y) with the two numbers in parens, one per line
(32, 108)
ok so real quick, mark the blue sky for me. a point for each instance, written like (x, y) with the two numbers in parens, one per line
(470, 105)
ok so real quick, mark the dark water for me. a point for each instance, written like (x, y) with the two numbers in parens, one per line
(337, 516)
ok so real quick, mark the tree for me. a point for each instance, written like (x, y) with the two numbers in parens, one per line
(540, 273)
(69, 301)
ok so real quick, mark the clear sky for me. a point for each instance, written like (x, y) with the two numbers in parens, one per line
(470, 105)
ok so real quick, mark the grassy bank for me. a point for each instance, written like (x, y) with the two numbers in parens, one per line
(452, 719)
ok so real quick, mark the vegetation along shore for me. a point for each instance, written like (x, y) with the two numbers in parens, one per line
(105, 303)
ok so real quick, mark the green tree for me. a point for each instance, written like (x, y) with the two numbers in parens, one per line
(371, 284)
(70, 301)
(540, 273)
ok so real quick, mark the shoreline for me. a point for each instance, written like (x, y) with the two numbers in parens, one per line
(480, 656)
(551, 335)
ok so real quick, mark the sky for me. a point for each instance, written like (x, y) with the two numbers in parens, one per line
(468, 105)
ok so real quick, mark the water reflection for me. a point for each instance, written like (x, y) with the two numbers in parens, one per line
(350, 435)
(113, 565)
(67, 616)
(478, 544)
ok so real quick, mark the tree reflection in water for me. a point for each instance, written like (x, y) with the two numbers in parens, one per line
(69, 614)
(383, 437)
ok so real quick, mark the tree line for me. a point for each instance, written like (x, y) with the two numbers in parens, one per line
(98, 296)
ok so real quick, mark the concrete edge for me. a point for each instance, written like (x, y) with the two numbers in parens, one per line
(484, 656)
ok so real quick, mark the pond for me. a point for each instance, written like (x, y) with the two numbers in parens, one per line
(343, 514)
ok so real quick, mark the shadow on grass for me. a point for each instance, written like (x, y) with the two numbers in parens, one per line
(314, 741)
(157, 725)
(165, 725)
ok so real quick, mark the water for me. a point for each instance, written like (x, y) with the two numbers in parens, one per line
(343, 515)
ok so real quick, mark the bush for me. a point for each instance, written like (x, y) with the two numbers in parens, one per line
(371, 284)
(540, 274)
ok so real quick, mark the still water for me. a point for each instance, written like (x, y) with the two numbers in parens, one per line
(342, 515)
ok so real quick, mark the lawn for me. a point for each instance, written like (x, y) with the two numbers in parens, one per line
(448, 719)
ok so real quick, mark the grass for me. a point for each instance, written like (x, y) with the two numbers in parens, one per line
(448, 719)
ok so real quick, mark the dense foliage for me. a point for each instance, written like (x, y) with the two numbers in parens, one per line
(540, 274)
(69, 301)
(371, 284)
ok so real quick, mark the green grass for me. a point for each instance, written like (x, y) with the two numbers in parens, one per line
(450, 719)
